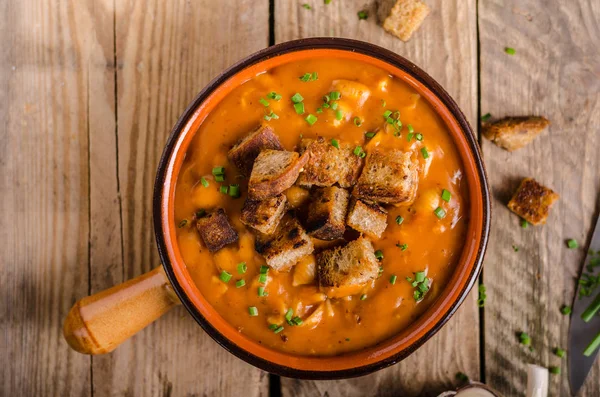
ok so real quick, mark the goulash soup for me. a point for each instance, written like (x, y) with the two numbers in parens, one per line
(321, 207)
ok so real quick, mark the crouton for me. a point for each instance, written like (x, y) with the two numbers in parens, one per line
(245, 152)
(388, 178)
(367, 218)
(532, 201)
(264, 215)
(402, 17)
(328, 165)
(215, 230)
(327, 213)
(352, 264)
(273, 172)
(286, 246)
(512, 133)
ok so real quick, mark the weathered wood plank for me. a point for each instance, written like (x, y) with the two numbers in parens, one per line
(556, 73)
(445, 47)
(44, 184)
(165, 53)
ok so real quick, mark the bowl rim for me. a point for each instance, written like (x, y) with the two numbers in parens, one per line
(165, 179)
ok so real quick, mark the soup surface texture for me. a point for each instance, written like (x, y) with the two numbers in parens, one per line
(423, 235)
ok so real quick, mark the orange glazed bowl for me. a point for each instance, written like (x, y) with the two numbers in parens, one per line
(384, 353)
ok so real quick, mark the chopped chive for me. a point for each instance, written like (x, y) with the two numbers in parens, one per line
(417, 295)
(524, 223)
(225, 276)
(420, 276)
(307, 6)
(271, 115)
(572, 243)
(333, 105)
(218, 170)
(314, 76)
(591, 310)
(274, 95)
(362, 155)
(305, 77)
(297, 320)
(380, 272)
(262, 292)
(339, 114)
(253, 311)
(264, 269)
(183, 223)
(524, 339)
(402, 247)
(515, 248)
(326, 106)
(554, 370)
(440, 213)
(410, 128)
(204, 182)
(424, 152)
(273, 327)
(241, 267)
(409, 136)
(319, 110)
(280, 328)
(299, 107)
(297, 98)
(363, 297)
(461, 377)
(326, 98)
(419, 136)
(200, 213)
(220, 178)
(311, 119)
(566, 310)
(234, 191)
(481, 296)
(358, 150)
(399, 220)
(393, 279)
(224, 189)
(240, 283)
(559, 352)
(591, 348)
(357, 121)
(387, 114)
(262, 279)
(335, 143)
(288, 315)
(486, 117)
(509, 50)
(446, 195)
(263, 102)
(370, 134)
(379, 255)
(363, 14)
(335, 95)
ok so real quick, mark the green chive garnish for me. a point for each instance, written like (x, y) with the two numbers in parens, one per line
(379, 255)
(566, 310)
(591, 310)
(440, 213)
(299, 107)
(403, 247)
(339, 114)
(409, 136)
(297, 98)
(399, 220)
(524, 223)
(204, 182)
(510, 50)
(482, 296)
(572, 243)
(224, 189)
(307, 6)
(288, 315)
(446, 195)
(335, 95)
(387, 114)
(262, 278)
(200, 213)
(326, 98)
(241, 267)
(225, 276)
(335, 143)
(370, 134)
(424, 152)
(524, 339)
(591, 348)
(363, 297)
(419, 136)
(240, 283)
(515, 248)
(486, 117)
(264, 269)
(363, 15)
(393, 279)
(559, 352)
(357, 121)
(333, 105)
(253, 311)
(311, 119)
(264, 102)
(419, 276)
(218, 170)
(274, 95)
(358, 150)
(262, 292)
(461, 377)
(220, 178)
(234, 191)
(297, 320)
(273, 327)
(280, 328)
(554, 370)
(183, 223)
(410, 128)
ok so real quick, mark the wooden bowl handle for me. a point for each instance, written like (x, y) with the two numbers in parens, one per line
(97, 324)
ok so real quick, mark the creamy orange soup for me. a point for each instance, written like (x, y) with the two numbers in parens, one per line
(340, 320)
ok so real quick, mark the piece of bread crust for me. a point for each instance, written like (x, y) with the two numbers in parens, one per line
(367, 218)
(402, 17)
(512, 133)
(264, 215)
(353, 264)
(215, 230)
(532, 201)
(245, 152)
(327, 213)
(286, 246)
(273, 172)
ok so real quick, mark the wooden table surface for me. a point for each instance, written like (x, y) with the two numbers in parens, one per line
(91, 89)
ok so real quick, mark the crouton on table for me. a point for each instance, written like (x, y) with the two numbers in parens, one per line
(327, 213)
(328, 165)
(512, 133)
(352, 264)
(264, 215)
(286, 246)
(390, 178)
(367, 218)
(245, 152)
(532, 201)
(273, 172)
(215, 230)
(402, 17)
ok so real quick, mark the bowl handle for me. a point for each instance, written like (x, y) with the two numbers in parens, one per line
(97, 324)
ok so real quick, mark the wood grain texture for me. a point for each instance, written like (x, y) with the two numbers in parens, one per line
(445, 47)
(161, 56)
(555, 73)
(44, 224)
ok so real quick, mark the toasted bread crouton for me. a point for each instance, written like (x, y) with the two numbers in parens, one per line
(327, 213)
(286, 246)
(367, 218)
(245, 152)
(512, 133)
(273, 172)
(532, 201)
(352, 264)
(215, 230)
(388, 178)
(402, 17)
(351, 92)
(264, 215)
(328, 165)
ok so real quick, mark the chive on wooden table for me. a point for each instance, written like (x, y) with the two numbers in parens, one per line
(91, 89)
